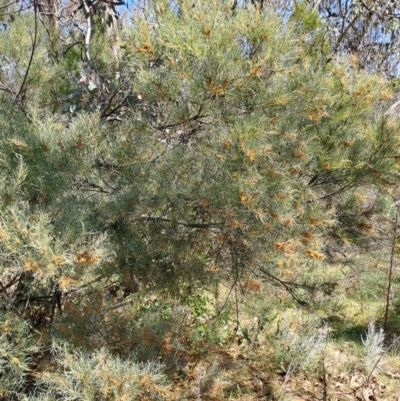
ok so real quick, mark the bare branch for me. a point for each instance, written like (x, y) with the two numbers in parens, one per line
(34, 43)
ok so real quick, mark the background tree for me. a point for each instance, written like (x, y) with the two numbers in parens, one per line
(366, 29)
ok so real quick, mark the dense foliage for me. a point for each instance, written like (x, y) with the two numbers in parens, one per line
(149, 161)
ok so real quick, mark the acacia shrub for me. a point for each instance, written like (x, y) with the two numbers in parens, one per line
(240, 155)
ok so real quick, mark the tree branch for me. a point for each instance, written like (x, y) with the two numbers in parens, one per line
(31, 56)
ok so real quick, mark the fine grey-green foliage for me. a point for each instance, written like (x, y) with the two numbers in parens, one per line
(206, 379)
(299, 345)
(40, 397)
(17, 351)
(101, 376)
(374, 346)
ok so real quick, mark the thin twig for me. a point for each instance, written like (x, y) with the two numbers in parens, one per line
(181, 223)
(31, 56)
(224, 305)
(15, 12)
(325, 383)
(287, 286)
(343, 34)
(391, 267)
(287, 376)
(8, 4)
(71, 46)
